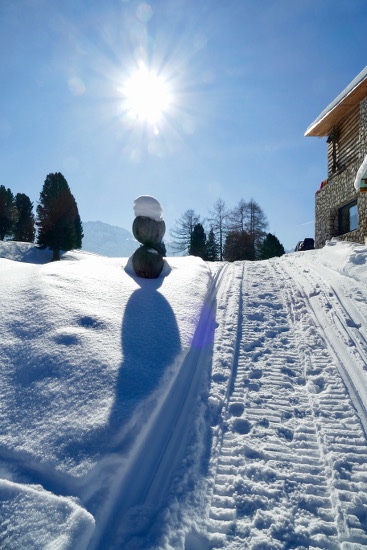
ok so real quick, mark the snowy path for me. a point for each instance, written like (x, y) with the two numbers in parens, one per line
(337, 313)
(139, 485)
(291, 469)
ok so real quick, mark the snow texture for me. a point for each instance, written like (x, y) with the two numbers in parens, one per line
(218, 406)
(149, 207)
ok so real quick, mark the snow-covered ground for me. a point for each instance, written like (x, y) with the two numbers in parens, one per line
(219, 406)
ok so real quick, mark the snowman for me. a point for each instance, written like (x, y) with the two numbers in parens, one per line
(149, 229)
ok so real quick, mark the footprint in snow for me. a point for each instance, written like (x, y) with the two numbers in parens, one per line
(286, 415)
(288, 371)
(256, 373)
(253, 386)
(241, 426)
(66, 339)
(251, 453)
(236, 409)
(263, 422)
(319, 384)
(285, 433)
(90, 322)
(352, 324)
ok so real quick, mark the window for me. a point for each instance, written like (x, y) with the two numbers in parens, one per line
(348, 218)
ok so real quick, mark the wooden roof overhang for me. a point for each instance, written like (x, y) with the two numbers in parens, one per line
(338, 109)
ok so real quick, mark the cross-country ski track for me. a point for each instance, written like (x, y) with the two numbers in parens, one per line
(288, 429)
(255, 437)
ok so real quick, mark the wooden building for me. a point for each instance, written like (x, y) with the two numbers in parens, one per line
(340, 203)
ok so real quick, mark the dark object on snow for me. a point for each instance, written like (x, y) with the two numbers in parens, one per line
(147, 262)
(148, 259)
(306, 244)
(148, 231)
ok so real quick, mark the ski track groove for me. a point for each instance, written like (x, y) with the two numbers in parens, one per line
(153, 477)
(226, 340)
(288, 455)
(345, 435)
(352, 333)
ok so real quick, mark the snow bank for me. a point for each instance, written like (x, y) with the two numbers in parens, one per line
(85, 348)
(33, 518)
(24, 252)
(347, 258)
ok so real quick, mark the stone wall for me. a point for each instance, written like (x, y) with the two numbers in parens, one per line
(340, 191)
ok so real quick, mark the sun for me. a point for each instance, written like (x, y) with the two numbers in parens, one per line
(147, 96)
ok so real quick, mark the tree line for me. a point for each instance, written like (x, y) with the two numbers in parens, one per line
(226, 234)
(57, 224)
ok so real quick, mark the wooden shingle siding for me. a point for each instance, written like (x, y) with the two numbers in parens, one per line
(347, 143)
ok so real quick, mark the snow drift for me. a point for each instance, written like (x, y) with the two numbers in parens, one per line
(219, 406)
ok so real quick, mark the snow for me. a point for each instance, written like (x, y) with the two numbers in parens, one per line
(218, 406)
(57, 519)
(149, 207)
(360, 174)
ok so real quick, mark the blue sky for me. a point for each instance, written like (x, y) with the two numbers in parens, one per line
(246, 79)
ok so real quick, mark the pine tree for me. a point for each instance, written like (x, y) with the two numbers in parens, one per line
(198, 242)
(78, 229)
(161, 248)
(24, 228)
(58, 221)
(237, 246)
(271, 247)
(212, 248)
(7, 212)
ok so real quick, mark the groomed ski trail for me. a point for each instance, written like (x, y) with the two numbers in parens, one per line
(287, 440)
(139, 485)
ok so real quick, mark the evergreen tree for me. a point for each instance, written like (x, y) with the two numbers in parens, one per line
(182, 232)
(58, 221)
(24, 228)
(198, 242)
(161, 248)
(271, 247)
(212, 248)
(7, 212)
(237, 246)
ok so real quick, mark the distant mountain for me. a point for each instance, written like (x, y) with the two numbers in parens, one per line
(111, 241)
(108, 240)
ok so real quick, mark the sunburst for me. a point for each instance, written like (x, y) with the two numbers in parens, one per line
(147, 97)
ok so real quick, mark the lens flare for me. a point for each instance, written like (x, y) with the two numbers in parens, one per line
(147, 96)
